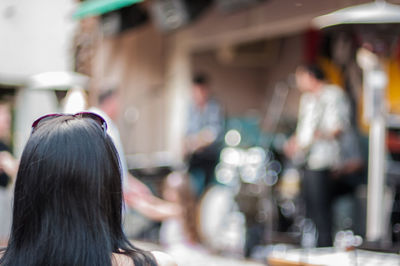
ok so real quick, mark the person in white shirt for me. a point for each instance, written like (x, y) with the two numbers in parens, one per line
(324, 115)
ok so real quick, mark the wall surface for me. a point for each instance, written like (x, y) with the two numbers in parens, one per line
(36, 36)
(245, 88)
(133, 62)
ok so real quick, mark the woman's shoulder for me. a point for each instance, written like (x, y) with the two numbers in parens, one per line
(121, 260)
(162, 259)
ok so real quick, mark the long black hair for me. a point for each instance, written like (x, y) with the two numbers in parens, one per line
(68, 199)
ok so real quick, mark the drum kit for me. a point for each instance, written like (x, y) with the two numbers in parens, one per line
(254, 201)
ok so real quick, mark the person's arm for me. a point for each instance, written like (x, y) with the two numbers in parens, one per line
(302, 138)
(208, 134)
(290, 147)
(139, 197)
(153, 207)
(9, 164)
(200, 140)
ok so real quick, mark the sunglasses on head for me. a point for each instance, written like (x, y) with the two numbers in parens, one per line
(95, 117)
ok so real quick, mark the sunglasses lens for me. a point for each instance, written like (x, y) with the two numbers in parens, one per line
(98, 119)
(42, 119)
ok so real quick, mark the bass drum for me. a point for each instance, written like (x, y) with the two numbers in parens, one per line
(221, 226)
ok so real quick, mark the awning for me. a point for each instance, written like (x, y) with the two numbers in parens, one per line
(57, 80)
(90, 8)
(371, 13)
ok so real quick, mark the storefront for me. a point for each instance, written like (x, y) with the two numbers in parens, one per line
(250, 55)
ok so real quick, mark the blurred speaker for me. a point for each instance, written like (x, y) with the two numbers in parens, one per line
(123, 19)
(233, 5)
(173, 14)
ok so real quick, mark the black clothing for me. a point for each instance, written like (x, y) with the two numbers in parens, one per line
(4, 178)
(317, 189)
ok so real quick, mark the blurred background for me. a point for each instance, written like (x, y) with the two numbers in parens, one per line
(61, 55)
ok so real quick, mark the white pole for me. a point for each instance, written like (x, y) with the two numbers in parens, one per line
(375, 81)
(376, 180)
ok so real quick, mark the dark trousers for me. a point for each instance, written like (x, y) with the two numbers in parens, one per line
(202, 166)
(317, 193)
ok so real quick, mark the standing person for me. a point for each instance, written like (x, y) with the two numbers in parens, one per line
(182, 230)
(204, 134)
(68, 199)
(8, 171)
(137, 195)
(324, 115)
(180, 236)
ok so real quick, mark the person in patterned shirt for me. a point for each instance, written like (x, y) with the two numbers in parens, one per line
(323, 117)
